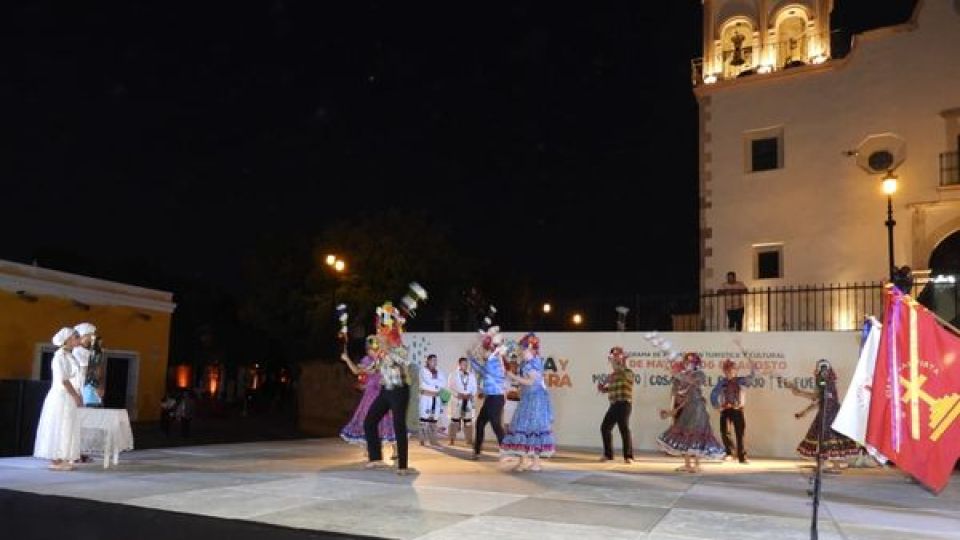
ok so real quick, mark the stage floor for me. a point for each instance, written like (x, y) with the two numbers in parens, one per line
(318, 484)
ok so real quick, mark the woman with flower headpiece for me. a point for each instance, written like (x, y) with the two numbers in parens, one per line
(531, 432)
(690, 435)
(370, 380)
(58, 432)
(837, 448)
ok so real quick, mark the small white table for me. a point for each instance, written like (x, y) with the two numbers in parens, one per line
(106, 432)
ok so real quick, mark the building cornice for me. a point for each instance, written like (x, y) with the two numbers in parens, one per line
(15, 277)
(768, 78)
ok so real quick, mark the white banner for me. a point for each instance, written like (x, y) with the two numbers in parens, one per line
(576, 361)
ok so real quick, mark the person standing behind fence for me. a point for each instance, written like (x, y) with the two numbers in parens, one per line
(732, 292)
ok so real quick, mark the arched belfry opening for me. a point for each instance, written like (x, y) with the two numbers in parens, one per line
(792, 42)
(746, 37)
(738, 46)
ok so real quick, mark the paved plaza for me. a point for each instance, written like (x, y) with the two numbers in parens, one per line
(319, 484)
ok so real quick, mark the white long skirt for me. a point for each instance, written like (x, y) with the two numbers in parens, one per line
(58, 433)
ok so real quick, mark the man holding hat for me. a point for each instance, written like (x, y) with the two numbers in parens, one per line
(90, 363)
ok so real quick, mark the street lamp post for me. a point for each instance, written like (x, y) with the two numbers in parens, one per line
(339, 267)
(890, 187)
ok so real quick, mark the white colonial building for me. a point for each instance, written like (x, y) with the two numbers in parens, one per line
(794, 144)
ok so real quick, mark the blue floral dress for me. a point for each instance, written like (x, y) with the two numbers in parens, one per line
(530, 430)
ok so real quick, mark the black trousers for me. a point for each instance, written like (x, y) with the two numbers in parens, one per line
(618, 414)
(734, 416)
(735, 319)
(492, 412)
(394, 400)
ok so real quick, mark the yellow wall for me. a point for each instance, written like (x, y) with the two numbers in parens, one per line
(24, 324)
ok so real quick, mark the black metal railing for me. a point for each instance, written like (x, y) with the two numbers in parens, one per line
(826, 307)
(950, 169)
(796, 308)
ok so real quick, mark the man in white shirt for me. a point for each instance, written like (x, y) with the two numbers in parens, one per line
(463, 384)
(732, 292)
(431, 382)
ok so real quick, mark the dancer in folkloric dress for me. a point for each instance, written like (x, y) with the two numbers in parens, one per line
(690, 435)
(394, 365)
(353, 431)
(837, 448)
(729, 397)
(487, 359)
(531, 432)
(619, 389)
(58, 431)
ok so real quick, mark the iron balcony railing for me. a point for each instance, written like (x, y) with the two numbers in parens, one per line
(798, 308)
(827, 307)
(950, 169)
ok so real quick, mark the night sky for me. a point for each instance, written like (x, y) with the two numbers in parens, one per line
(563, 139)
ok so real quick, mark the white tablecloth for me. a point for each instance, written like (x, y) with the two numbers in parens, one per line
(106, 432)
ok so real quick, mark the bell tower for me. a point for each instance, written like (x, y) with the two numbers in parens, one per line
(755, 37)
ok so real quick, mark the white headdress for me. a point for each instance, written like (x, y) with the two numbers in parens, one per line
(85, 328)
(62, 336)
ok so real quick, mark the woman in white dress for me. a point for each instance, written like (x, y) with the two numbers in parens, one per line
(58, 435)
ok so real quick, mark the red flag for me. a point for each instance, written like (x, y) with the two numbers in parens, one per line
(915, 410)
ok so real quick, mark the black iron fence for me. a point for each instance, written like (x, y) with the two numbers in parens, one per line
(826, 307)
(798, 308)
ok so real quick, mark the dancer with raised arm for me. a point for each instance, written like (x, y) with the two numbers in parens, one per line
(837, 448)
(370, 379)
(492, 373)
(690, 435)
(393, 365)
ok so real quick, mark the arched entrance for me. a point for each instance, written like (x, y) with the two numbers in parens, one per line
(942, 292)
